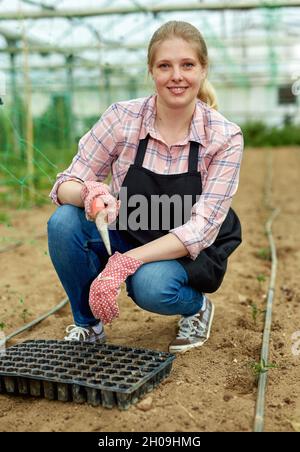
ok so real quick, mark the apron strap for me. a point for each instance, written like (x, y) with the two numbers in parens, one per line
(139, 158)
(193, 154)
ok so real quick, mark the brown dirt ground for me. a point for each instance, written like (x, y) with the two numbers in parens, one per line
(209, 389)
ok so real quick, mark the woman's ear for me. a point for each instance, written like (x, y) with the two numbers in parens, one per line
(150, 71)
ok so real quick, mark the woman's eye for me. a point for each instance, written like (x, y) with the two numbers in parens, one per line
(188, 65)
(163, 65)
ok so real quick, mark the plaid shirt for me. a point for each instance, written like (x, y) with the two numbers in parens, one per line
(112, 144)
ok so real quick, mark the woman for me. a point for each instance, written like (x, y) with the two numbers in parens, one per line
(172, 146)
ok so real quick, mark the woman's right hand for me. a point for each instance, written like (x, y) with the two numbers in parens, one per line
(92, 190)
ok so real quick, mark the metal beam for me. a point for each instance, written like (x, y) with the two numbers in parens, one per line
(93, 85)
(10, 35)
(120, 71)
(36, 47)
(184, 7)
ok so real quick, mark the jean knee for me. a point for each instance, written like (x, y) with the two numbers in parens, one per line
(64, 222)
(152, 292)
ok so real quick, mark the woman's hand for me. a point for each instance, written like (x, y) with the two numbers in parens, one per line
(107, 286)
(92, 190)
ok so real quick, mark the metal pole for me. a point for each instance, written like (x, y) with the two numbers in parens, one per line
(70, 94)
(15, 105)
(29, 120)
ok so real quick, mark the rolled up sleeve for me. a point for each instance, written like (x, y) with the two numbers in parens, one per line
(96, 151)
(210, 211)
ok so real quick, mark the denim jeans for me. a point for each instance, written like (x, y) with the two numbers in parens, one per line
(79, 255)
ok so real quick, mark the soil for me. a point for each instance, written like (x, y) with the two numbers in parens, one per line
(212, 388)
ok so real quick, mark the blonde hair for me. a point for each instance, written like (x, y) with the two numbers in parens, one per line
(191, 34)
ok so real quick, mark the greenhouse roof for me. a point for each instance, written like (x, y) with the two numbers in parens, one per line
(251, 36)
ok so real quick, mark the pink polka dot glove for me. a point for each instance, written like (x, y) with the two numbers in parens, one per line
(90, 191)
(106, 287)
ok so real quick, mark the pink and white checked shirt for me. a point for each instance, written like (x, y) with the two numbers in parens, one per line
(112, 143)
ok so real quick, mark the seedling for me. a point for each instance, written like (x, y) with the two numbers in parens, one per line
(24, 314)
(25, 311)
(5, 219)
(264, 254)
(256, 311)
(2, 325)
(261, 278)
(261, 367)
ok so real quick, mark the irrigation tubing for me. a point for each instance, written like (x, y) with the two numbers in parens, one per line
(262, 379)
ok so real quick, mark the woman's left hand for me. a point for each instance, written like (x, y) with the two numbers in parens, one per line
(105, 288)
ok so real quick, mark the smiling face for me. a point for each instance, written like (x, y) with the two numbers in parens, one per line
(177, 73)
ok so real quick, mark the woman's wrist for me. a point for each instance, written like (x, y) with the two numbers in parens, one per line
(136, 253)
(164, 248)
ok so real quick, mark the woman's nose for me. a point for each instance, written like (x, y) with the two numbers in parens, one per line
(176, 75)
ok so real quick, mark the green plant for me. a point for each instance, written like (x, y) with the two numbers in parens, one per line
(261, 367)
(261, 278)
(259, 134)
(255, 311)
(25, 313)
(264, 254)
(5, 219)
(2, 325)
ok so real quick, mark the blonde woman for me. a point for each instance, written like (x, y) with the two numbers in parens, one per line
(175, 165)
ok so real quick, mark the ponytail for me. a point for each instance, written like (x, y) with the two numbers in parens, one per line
(208, 95)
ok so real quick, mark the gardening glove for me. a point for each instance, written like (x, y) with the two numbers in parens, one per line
(105, 288)
(92, 190)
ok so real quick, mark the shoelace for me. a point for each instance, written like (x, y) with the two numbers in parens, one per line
(190, 326)
(75, 333)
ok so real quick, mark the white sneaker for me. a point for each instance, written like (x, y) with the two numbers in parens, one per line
(87, 334)
(194, 330)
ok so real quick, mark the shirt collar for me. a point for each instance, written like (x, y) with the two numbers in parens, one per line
(197, 127)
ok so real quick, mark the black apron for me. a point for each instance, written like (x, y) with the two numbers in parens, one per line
(207, 271)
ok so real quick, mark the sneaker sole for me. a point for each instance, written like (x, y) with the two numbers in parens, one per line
(185, 348)
(96, 341)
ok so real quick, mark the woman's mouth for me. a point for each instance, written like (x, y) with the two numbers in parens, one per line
(177, 89)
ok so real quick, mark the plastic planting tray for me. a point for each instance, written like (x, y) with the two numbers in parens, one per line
(99, 374)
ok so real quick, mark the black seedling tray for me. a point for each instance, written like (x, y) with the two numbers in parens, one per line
(99, 374)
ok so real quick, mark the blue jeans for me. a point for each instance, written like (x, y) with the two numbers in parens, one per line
(79, 255)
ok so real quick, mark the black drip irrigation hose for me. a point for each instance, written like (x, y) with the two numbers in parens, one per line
(262, 379)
